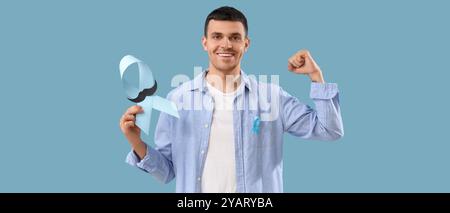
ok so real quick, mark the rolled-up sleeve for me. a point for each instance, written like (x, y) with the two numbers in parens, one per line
(157, 161)
(322, 123)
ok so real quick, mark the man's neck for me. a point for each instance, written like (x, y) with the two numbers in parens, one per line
(225, 81)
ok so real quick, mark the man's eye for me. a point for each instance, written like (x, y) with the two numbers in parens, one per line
(216, 37)
(235, 38)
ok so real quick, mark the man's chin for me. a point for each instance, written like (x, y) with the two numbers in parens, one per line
(227, 68)
(224, 70)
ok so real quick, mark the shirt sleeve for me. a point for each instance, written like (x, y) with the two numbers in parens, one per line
(322, 123)
(157, 161)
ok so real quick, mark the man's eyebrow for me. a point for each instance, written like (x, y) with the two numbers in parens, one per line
(236, 34)
(232, 34)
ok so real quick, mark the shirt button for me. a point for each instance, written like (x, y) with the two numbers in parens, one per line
(203, 152)
(206, 125)
(198, 179)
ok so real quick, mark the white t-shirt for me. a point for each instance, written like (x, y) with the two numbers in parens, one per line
(219, 172)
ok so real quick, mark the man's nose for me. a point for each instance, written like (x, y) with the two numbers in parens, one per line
(226, 43)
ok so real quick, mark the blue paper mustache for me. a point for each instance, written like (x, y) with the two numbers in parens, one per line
(144, 94)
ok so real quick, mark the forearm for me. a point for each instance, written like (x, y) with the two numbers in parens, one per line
(317, 77)
(139, 147)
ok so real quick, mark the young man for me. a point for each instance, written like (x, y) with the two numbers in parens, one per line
(232, 145)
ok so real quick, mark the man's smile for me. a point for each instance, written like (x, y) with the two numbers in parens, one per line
(225, 54)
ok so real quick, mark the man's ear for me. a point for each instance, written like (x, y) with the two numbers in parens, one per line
(247, 43)
(204, 43)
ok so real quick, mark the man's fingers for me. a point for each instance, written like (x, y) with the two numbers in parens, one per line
(129, 124)
(128, 117)
(302, 55)
(290, 66)
(134, 110)
(294, 63)
(306, 55)
(300, 61)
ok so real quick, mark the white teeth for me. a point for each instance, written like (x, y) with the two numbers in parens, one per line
(225, 54)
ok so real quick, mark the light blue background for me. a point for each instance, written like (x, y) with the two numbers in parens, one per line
(61, 95)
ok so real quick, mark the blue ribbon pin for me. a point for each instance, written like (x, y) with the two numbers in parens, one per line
(256, 123)
(144, 95)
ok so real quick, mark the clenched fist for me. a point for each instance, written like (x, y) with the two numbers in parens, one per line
(302, 63)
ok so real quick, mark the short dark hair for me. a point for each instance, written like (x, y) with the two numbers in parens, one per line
(226, 13)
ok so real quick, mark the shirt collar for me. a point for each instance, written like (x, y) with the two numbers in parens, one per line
(199, 82)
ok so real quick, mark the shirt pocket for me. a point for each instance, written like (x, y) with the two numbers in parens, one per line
(258, 138)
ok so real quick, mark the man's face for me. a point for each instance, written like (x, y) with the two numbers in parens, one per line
(225, 43)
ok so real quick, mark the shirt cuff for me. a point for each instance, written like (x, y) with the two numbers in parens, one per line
(323, 90)
(148, 163)
(132, 158)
